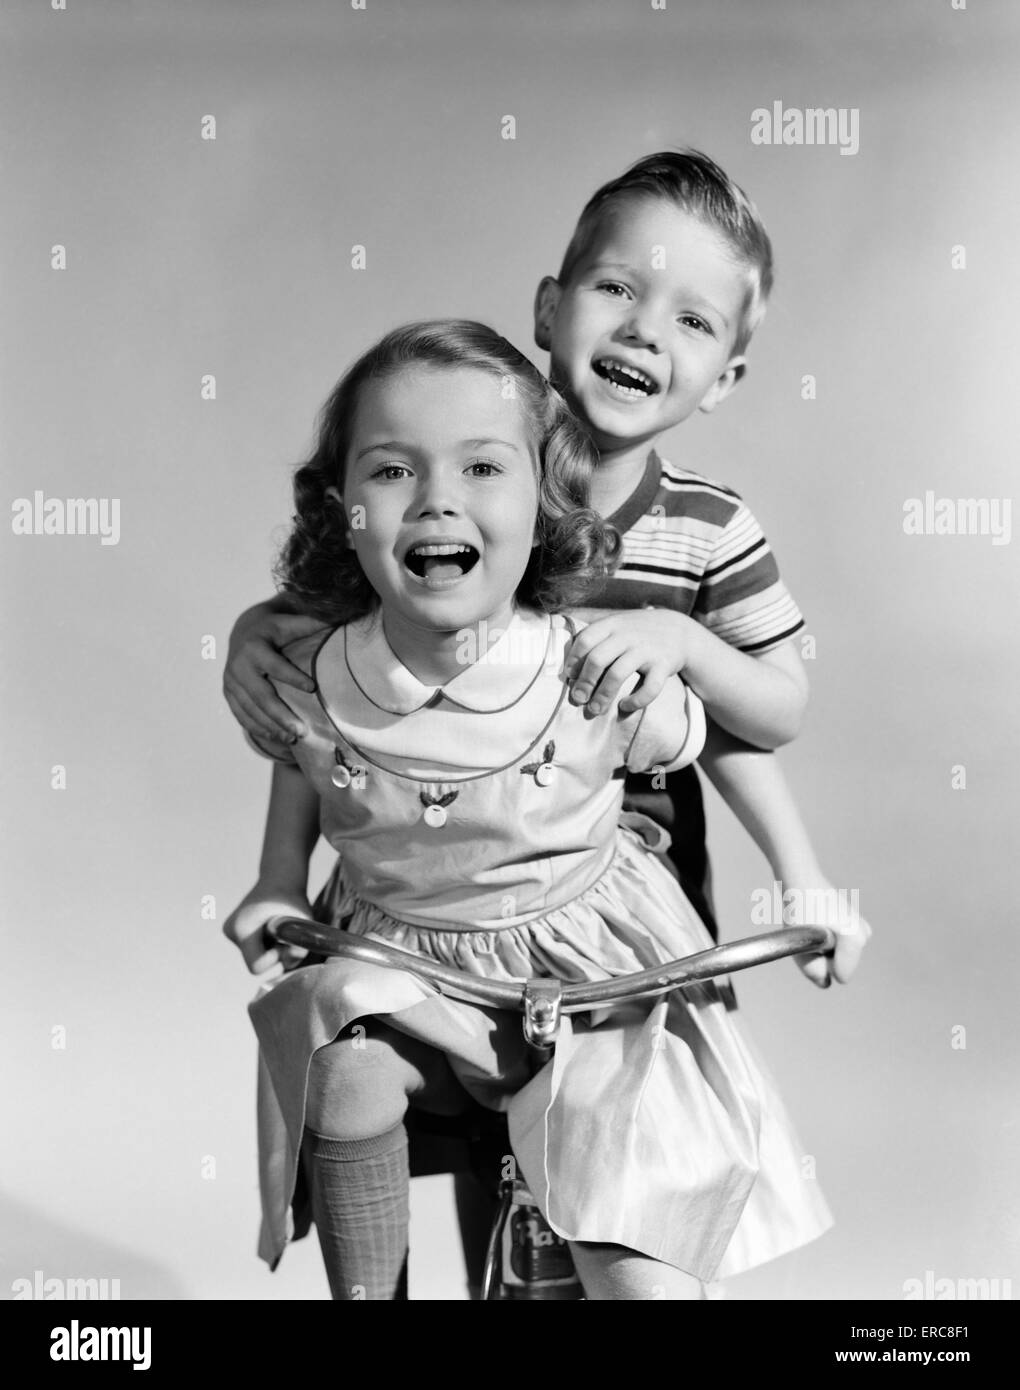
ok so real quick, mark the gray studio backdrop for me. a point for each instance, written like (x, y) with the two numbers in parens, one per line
(133, 809)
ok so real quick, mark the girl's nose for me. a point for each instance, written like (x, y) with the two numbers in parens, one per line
(438, 495)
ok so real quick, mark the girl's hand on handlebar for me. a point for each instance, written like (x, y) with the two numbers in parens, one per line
(244, 928)
(253, 655)
(819, 904)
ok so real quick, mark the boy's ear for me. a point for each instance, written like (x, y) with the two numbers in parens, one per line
(723, 384)
(547, 298)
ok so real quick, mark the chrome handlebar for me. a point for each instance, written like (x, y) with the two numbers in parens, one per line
(542, 1001)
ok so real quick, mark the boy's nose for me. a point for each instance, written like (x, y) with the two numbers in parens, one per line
(642, 326)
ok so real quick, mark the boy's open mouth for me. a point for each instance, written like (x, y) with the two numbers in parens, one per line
(629, 381)
(438, 562)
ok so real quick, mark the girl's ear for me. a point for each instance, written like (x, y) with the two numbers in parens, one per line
(536, 534)
(547, 298)
(334, 496)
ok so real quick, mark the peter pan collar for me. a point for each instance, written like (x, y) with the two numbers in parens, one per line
(494, 682)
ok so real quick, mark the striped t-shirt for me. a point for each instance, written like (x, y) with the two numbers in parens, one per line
(692, 545)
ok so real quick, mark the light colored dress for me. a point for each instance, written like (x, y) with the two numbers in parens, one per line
(480, 825)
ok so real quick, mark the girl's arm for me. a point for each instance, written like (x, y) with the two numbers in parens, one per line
(255, 654)
(752, 784)
(292, 831)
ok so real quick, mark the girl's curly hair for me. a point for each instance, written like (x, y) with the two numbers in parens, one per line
(576, 549)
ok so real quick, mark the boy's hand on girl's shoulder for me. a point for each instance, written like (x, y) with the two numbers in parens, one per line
(653, 642)
(244, 928)
(819, 904)
(254, 657)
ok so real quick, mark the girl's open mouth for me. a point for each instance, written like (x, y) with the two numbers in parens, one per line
(442, 563)
(627, 381)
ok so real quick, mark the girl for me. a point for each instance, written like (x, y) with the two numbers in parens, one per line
(442, 531)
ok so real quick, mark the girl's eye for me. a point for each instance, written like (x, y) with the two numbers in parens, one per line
(390, 470)
(487, 464)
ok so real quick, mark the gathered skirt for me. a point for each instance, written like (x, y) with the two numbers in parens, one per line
(655, 1126)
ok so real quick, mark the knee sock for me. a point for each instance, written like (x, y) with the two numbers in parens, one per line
(360, 1190)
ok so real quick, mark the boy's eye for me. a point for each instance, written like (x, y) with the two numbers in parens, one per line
(693, 321)
(612, 287)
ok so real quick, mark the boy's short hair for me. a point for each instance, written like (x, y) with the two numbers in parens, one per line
(694, 183)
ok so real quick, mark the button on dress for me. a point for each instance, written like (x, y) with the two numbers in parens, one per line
(479, 824)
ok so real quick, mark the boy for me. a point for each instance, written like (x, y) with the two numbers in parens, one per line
(663, 282)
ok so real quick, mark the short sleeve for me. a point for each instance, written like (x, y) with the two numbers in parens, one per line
(742, 598)
(670, 731)
(275, 749)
